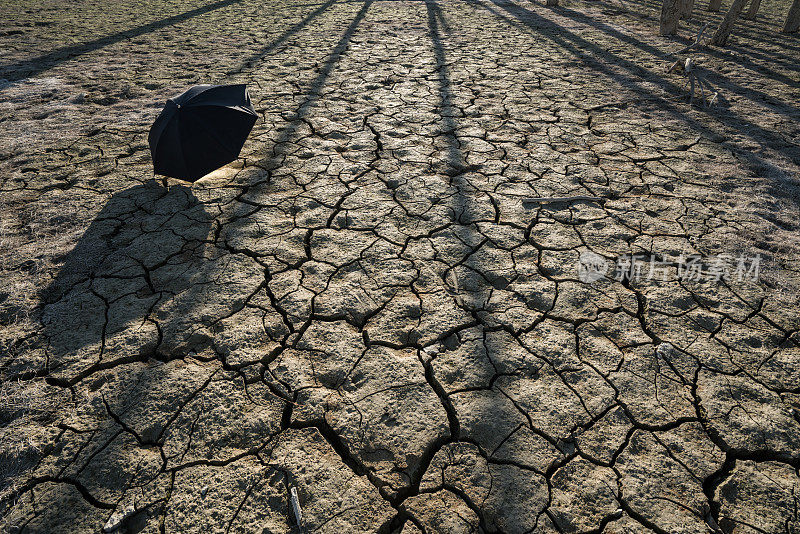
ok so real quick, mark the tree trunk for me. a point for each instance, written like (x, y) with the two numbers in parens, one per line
(714, 5)
(751, 13)
(670, 13)
(687, 6)
(725, 27)
(793, 19)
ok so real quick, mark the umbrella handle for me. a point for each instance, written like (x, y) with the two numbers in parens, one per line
(163, 179)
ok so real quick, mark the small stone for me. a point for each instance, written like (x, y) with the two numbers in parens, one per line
(204, 491)
(80, 98)
(665, 350)
(151, 433)
(414, 336)
(28, 266)
(118, 518)
(499, 282)
(452, 342)
(9, 314)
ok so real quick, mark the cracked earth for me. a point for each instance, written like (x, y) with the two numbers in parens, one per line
(367, 305)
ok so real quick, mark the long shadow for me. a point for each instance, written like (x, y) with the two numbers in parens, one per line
(146, 245)
(312, 95)
(315, 88)
(273, 154)
(455, 158)
(752, 29)
(479, 283)
(755, 28)
(31, 67)
(258, 56)
(701, 16)
(785, 62)
(728, 83)
(458, 168)
(599, 59)
(472, 295)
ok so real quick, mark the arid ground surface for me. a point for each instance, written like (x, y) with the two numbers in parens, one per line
(371, 305)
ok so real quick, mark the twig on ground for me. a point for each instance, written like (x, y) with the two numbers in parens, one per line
(298, 513)
(696, 40)
(676, 67)
(693, 77)
(575, 198)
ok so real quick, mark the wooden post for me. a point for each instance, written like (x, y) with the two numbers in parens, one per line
(793, 18)
(714, 5)
(724, 31)
(753, 11)
(670, 14)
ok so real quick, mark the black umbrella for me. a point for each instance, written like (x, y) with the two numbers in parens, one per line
(201, 130)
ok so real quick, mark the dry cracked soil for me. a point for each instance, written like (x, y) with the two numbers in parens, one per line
(381, 303)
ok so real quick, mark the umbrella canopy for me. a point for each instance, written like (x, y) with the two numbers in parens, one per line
(201, 130)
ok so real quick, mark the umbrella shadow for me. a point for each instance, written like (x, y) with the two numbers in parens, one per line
(144, 282)
(146, 246)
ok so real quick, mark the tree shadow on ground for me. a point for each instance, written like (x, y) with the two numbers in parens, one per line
(635, 78)
(31, 67)
(487, 416)
(250, 61)
(724, 82)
